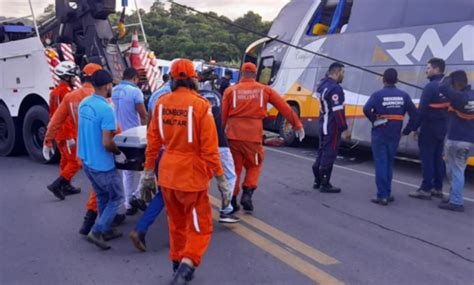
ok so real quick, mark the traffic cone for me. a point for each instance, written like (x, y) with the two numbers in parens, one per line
(135, 60)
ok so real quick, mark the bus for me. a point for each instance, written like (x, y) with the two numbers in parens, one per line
(375, 35)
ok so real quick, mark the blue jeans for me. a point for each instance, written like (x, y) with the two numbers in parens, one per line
(384, 154)
(432, 163)
(457, 153)
(107, 186)
(229, 171)
(154, 208)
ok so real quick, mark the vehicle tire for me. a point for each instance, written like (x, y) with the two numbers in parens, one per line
(286, 130)
(10, 135)
(34, 130)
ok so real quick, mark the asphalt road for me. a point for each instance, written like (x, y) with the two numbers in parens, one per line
(295, 236)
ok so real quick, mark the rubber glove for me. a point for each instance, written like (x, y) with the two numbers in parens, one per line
(48, 152)
(224, 188)
(300, 134)
(120, 158)
(147, 185)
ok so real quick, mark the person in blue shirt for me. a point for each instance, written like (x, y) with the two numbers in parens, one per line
(433, 124)
(165, 89)
(138, 234)
(460, 135)
(332, 122)
(96, 149)
(130, 113)
(386, 110)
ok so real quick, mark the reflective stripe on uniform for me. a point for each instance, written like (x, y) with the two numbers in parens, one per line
(196, 221)
(72, 113)
(160, 121)
(190, 124)
(461, 114)
(439, 105)
(326, 112)
(337, 108)
(261, 98)
(234, 99)
(392, 117)
(256, 159)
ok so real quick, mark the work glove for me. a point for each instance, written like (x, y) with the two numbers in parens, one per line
(300, 134)
(120, 158)
(48, 152)
(147, 185)
(70, 144)
(224, 188)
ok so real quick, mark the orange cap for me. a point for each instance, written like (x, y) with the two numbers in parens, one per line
(182, 69)
(249, 67)
(90, 68)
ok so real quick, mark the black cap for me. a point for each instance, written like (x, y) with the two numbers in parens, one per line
(101, 78)
(228, 72)
(390, 76)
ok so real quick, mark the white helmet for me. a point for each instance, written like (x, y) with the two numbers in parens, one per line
(66, 68)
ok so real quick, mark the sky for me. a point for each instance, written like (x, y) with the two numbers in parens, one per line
(268, 9)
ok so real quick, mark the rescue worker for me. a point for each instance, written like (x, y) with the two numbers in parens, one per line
(433, 124)
(225, 81)
(96, 149)
(460, 135)
(332, 122)
(182, 123)
(154, 208)
(130, 111)
(64, 124)
(386, 109)
(244, 106)
(69, 164)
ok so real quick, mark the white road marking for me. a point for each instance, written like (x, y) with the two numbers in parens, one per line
(351, 169)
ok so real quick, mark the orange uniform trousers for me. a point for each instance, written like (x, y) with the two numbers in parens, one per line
(248, 155)
(189, 222)
(92, 202)
(69, 164)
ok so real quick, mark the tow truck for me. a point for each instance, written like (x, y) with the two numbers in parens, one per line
(79, 31)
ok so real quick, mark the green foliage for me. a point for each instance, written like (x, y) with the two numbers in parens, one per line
(176, 32)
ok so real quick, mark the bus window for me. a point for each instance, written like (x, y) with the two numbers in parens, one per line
(266, 71)
(330, 17)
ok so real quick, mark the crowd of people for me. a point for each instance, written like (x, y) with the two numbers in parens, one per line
(194, 135)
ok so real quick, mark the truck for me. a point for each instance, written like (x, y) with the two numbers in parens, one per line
(79, 31)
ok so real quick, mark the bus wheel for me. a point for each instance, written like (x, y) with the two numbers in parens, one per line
(10, 135)
(34, 131)
(286, 129)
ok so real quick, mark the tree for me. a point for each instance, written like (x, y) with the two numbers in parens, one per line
(175, 32)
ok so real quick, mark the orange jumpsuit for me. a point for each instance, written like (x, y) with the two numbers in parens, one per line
(244, 106)
(66, 118)
(183, 123)
(68, 164)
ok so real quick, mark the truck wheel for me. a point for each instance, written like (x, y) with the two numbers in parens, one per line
(34, 130)
(10, 135)
(286, 129)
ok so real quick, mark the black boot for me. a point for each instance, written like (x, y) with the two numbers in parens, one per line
(317, 178)
(68, 189)
(234, 204)
(175, 266)
(326, 187)
(89, 220)
(246, 200)
(184, 274)
(56, 187)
